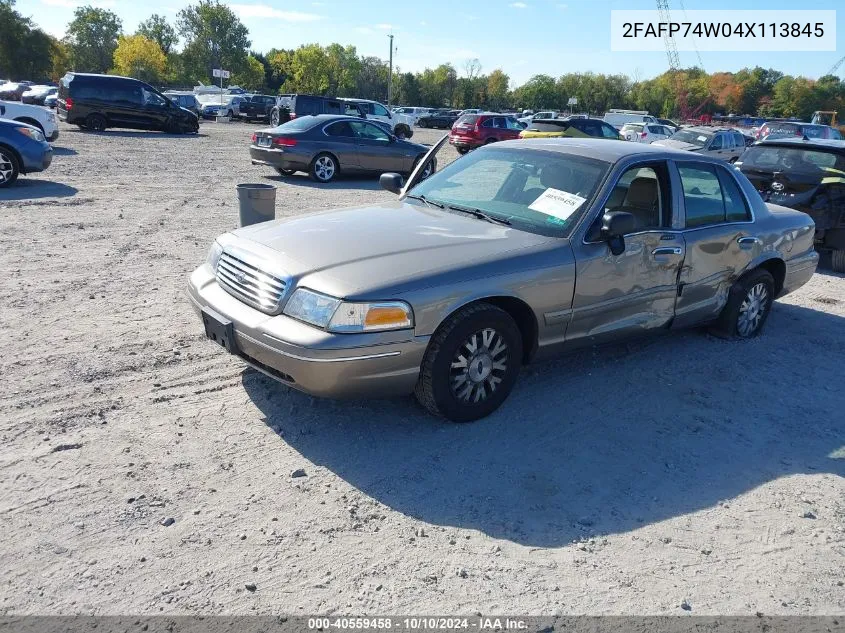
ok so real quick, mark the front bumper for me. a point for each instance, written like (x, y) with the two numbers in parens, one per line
(312, 360)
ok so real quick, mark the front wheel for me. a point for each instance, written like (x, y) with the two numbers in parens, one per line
(323, 168)
(749, 304)
(471, 364)
(9, 169)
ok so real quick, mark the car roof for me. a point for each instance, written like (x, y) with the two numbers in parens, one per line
(608, 150)
(818, 143)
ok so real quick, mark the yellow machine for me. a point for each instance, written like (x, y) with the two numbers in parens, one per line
(827, 117)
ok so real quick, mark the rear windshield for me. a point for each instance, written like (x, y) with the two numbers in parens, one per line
(549, 126)
(637, 127)
(468, 119)
(297, 125)
(693, 138)
(781, 129)
(788, 159)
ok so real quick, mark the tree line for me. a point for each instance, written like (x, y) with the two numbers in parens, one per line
(212, 36)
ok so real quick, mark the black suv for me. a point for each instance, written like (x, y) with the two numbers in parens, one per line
(291, 106)
(184, 99)
(97, 102)
(807, 175)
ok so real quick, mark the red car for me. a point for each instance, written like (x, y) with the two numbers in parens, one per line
(475, 130)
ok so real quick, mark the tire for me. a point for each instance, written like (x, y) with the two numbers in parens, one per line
(9, 167)
(324, 168)
(489, 140)
(429, 168)
(173, 127)
(462, 150)
(479, 387)
(837, 260)
(423, 123)
(96, 122)
(749, 304)
(401, 131)
(285, 172)
(274, 117)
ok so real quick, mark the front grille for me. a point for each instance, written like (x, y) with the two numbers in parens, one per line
(250, 284)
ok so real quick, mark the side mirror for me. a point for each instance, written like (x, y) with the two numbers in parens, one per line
(614, 226)
(391, 182)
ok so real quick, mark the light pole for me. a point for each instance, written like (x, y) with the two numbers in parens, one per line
(390, 77)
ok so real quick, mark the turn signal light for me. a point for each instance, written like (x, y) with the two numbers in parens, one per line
(387, 315)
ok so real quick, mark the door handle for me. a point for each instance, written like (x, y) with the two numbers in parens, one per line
(748, 242)
(667, 250)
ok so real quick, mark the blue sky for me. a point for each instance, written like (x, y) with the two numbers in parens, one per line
(523, 37)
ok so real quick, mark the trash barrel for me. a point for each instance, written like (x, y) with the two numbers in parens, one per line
(257, 203)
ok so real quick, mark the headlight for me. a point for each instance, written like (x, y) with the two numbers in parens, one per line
(214, 254)
(35, 135)
(347, 317)
(372, 317)
(311, 307)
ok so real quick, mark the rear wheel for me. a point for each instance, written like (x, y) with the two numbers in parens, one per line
(749, 304)
(837, 261)
(324, 168)
(96, 122)
(401, 131)
(471, 364)
(427, 171)
(9, 168)
(462, 150)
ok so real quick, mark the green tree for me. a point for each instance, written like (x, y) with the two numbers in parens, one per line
(25, 51)
(537, 93)
(139, 57)
(92, 38)
(371, 81)
(407, 87)
(497, 90)
(159, 30)
(214, 38)
(252, 76)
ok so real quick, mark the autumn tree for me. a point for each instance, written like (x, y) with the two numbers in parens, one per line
(139, 57)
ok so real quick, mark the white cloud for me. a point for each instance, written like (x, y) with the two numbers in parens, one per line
(384, 27)
(518, 5)
(264, 11)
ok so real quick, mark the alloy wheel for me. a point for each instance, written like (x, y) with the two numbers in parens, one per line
(324, 168)
(752, 310)
(479, 366)
(7, 168)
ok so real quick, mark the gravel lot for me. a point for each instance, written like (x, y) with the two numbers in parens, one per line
(144, 471)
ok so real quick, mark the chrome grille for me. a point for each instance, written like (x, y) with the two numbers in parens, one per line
(250, 284)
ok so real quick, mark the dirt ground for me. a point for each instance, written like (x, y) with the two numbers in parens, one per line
(144, 471)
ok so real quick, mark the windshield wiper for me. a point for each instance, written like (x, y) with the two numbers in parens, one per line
(422, 198)
(481, 215)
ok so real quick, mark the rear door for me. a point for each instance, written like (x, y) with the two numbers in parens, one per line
(340, 139)
(720, 239)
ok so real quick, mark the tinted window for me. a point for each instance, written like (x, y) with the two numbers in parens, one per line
(736, 209)
(705, 200)
(307, 105)
(341, 128)
(769, 158)
(592, 128)
(548, 126)
(334, 107)
(608, 131)
(487, 122)
(297, 125)
(369, 131)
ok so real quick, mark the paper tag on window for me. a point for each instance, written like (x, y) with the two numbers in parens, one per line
(557, 203)
(701, 138)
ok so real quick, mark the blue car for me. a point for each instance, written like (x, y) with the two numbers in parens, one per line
(23, 150)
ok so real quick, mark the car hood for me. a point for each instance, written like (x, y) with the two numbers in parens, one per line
(384, 250)
(678, 145)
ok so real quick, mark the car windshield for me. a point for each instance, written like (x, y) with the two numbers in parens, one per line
(692, 137)
(534, 190)
(770, 159)
(633, 127)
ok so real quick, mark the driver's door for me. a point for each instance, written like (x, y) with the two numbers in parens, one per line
(155, 110)
(378, 152)
(617, 296)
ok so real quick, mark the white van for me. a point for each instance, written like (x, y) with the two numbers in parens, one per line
(618, 118)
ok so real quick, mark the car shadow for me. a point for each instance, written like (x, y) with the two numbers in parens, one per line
(599, 442)
(137, 134)
(64, 151)
(31, 188)
(301, 179)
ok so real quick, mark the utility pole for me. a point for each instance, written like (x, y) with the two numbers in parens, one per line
(390, 78)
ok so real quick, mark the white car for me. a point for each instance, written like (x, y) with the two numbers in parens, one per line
(618, 118)
(401, 123)
(42, 118)
(544, 114)
(646, 132)
(413, 114)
